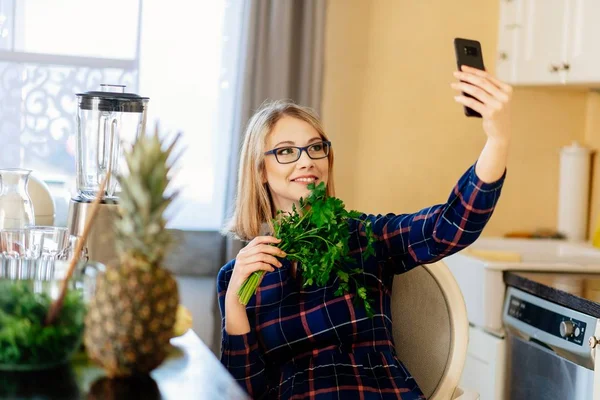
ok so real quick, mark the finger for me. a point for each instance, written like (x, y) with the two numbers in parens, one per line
(249, 269)
(472, 103)
(478, 93)
(262, 257)
(259, 266)
(255, 251)
(484, 84)
(484, 74)
(259, 240)
(262, 240)
(267, 248)
(472, 70)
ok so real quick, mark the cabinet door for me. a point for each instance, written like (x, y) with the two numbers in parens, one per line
(509, 32)
(543, 39)
(583, 56)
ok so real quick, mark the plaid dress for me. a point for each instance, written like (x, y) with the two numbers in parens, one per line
(306, 343)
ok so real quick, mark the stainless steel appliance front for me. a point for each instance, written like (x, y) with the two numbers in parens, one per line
(548, 352)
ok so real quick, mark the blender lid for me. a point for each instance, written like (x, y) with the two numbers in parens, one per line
(112, 100)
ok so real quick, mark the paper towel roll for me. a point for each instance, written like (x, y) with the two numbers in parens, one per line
(574, 187)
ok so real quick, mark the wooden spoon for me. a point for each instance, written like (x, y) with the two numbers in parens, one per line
(55, 307)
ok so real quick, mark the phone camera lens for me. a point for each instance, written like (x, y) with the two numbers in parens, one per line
(471, 51)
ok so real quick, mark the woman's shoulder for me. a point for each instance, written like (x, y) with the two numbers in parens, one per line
(225, 273)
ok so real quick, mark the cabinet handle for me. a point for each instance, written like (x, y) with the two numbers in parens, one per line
(554, 68)
(503, 56)
(565, 66)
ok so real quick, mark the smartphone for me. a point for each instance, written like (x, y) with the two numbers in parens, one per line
(468, 52)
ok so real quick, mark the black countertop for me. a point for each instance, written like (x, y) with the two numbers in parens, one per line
(579, 292)
(191, 372)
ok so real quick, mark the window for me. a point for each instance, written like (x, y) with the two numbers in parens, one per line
(183, 54)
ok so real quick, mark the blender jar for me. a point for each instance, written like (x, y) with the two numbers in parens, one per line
(106, 121)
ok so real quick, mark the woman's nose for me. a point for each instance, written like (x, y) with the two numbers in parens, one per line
(305, 160)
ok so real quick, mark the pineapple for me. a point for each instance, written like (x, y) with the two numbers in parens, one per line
(132, 314)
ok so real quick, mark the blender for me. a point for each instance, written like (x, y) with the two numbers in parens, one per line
(107, 120)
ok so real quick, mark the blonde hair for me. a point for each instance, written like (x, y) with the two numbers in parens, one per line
(253, 205)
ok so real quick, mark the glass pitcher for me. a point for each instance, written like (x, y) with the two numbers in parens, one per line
(106, 120)
(16, 208)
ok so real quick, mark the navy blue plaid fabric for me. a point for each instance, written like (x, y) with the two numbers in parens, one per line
(306, 343)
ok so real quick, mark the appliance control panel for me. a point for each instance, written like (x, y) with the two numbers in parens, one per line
(555, 323)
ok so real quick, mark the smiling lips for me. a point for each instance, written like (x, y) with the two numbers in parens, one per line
(305, 179)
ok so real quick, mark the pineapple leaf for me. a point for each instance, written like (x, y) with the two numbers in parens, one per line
(145, 196)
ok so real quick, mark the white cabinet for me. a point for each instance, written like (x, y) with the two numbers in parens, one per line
(542, 41)
(549, 42)
(583, 51)
(510, 23)
(485, 365)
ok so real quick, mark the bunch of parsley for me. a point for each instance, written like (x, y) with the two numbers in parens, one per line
(24, 338)
(317, 237)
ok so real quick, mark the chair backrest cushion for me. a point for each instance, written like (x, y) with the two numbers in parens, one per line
(421, 327)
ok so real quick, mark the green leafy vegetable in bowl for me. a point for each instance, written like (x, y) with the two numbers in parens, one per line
(25, 342)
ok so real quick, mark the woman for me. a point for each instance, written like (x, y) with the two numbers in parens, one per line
(304, 342)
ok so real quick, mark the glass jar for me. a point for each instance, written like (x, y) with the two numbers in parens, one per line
(16, 208)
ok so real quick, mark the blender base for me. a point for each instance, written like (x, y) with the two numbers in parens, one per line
(101, 239)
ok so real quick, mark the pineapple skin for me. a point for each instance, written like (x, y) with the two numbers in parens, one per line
(131, 318)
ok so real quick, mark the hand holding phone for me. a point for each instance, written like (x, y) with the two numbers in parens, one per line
(468, 52)
(487, 97)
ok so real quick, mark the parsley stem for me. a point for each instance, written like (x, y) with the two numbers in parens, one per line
(248, 288)
(314, 230)
(317, 237)
(301, 220)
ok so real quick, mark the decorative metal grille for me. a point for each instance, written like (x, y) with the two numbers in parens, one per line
(38, 102)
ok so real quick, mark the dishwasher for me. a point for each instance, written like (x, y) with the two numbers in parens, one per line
(548, 349)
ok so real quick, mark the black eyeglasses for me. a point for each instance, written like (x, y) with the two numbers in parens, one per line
(290, 154)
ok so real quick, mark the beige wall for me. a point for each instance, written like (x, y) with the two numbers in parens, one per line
(345, 67)
(592, 138)
(401, 141)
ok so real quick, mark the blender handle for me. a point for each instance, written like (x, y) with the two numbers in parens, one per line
(101, 156)
(113, 152)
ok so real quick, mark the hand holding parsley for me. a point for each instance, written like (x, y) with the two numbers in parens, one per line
(317, 237)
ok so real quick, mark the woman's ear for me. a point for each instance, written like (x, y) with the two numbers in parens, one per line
(263, 175)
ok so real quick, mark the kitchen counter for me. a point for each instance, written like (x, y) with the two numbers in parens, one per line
(190, 372)
(577, 291)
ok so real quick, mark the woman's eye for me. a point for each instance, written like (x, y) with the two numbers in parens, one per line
(286, 151)
(317, 147)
